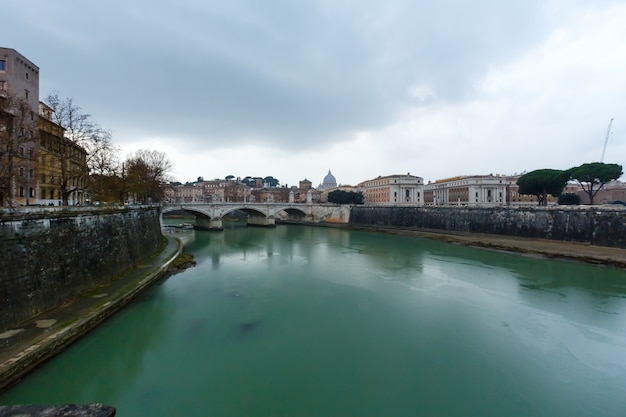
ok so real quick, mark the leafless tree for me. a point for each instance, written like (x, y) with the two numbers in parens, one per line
(83, 131)
(146, 174)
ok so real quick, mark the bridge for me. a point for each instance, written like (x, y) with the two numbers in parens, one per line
(209, 216)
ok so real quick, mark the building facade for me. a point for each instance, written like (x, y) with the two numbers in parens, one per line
(393, 189)
(19, 77)
(62, 164)
(19, 98)
(467, 190)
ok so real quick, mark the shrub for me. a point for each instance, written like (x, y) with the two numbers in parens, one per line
(569, 199)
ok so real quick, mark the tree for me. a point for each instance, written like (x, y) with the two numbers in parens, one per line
(569, 199)
(270, 181)
(18, 146)
(102, 160)
(146, 175)
(345, 197)
(595, 174)
(542, 182)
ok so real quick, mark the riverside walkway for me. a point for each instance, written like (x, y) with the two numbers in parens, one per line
(38, 339)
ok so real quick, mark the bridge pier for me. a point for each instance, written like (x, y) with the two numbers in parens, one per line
(261, 221)
(209, 224)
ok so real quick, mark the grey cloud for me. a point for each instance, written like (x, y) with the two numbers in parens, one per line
(287, 72)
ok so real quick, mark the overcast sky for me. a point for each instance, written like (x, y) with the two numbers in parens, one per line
(364, 88)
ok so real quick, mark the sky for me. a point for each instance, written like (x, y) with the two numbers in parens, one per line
(363, 88)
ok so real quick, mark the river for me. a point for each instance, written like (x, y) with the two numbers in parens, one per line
(306, 321)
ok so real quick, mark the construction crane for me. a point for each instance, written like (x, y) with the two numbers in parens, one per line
(606, 139)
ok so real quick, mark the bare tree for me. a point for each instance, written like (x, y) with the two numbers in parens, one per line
(18, 150)
(146, 175)
(101, 154)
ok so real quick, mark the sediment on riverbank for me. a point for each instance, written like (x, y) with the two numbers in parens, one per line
(575, 251)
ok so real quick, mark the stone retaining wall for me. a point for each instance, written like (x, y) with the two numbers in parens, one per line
(597, 225)
(49, 257)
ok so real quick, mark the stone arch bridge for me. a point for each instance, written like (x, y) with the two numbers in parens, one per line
(209, 216)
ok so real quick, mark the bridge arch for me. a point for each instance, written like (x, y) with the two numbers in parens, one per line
(210, 215)
(203, 218)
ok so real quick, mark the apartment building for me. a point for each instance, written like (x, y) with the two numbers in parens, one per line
(19, 77)
(19, 98)
(393, 189)
(62, 164)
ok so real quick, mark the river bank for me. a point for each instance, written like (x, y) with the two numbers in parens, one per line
(28, 345)
(574, 251)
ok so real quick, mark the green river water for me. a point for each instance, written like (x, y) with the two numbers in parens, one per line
(305, 321)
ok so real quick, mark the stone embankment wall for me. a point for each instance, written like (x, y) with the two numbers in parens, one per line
(47, 258)
(597, 225)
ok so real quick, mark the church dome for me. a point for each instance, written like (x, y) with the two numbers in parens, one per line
(330, 179)
(329, 182)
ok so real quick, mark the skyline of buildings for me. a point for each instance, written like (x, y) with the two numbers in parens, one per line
(401, 189)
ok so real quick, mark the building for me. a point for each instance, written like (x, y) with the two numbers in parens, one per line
(62, 164)
(188, 193)
(19, 98)
(613, 192)
(393, 189)
(328, 182)
(468, 190)
(19, 77)
(517, 199)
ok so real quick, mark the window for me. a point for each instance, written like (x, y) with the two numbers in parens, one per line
(21, 191)
(21, 151)
(22, 172)
(26, 75)
(43, 178)
(3, 65)
(3, 85)
(31, 192)
(26, 93)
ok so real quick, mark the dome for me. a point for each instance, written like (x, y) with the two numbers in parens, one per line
(329, 182)
(330, 179)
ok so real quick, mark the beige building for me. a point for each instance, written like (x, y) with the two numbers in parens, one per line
(62, 164)
(516, 199)
(190, 193)
(393, 189)
(19, 77)
(612, 192)
(19, 99)
(304, 192)
(467, 190)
